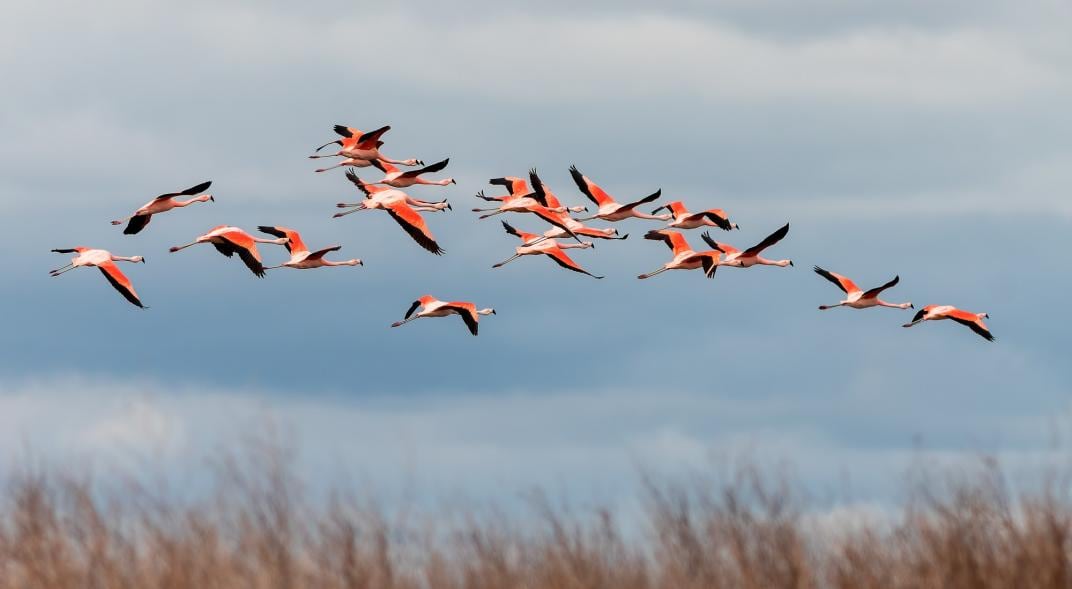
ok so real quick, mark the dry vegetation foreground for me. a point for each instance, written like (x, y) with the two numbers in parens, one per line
(255, 530)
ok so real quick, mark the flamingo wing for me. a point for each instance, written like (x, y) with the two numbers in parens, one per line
(722, 247)
(368, 140)
(188, 192)
(589, 188)
(770, 240)
(137, 223)
(427, 169)
(294, 241)
(847, 286)
(120, 282)
(539, 193)
(718, 217)
(649, 198)
(673, 239)
(552, 218)
(874, 292)
(510, 229)
(467, 311)
(973, 322)
(368, 190)
(414, 224)
(566, 262)
(320, 253)
(242, 244)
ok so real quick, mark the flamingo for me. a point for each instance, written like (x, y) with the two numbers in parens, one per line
(857, 298)
(684, 257)
(610, 209)
(162, 204)
(550, 248)
(399, 179)
(376, 195)
(396, 203)
(105, 262)
(360, 149)
(683, 219)
(300, 256)
(750, 257)
(433, 307)
(939, 312)
(230, 240)
(520, 199)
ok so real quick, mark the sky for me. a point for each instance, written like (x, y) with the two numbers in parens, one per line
(928, 140)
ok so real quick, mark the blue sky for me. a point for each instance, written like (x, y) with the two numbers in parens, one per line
(930, 141)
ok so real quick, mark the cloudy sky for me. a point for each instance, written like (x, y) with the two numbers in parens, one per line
(929, 139)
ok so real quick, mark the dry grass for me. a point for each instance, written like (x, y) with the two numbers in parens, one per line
(256, 530)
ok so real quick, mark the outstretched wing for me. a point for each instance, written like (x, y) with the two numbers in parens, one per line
(345, 131)
(243, 245)
(414, 224)
(722, 247)
(673, 239)
(874, 292)
(589, 188)
(353, 178)
(368, 140)
(136, 224)
(918, 316)
(320, 253)
(847, 286)
(566, 262)
(770, 240)
(294, 241)
(467, 311)
(553, 218)
(412, 308)
(427, 169)
(120, 282)
(649, 198)
(969, 319)
(188, 192)
(718, 217)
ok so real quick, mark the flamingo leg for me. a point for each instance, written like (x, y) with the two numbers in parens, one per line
(650, 274)
(57, 273)
(507, 261)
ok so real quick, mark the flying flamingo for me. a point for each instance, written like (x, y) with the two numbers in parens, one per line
(399, 179)
(939, 312)
(105, 261)
(162, 204)
(360, 149)
(750, 257)
(520, 199)
(610, 209)
(376, 196)
(550, 248)
(433, 307)
(300, 256)
(231, 240)
(857, 298)
(395, 202)
(684, 257)
(683, 219)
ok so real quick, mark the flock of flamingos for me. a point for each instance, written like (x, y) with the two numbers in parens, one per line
(361, 150)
